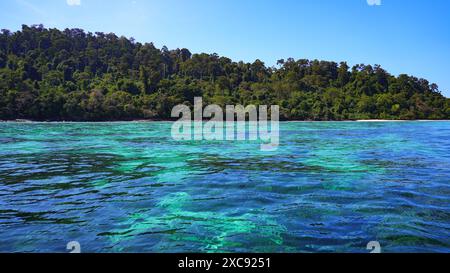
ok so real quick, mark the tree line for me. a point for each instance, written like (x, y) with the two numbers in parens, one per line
(73, 75)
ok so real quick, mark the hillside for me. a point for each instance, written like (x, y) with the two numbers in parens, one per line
(48, 74)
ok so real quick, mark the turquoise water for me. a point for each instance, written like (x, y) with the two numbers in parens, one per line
(128, 187)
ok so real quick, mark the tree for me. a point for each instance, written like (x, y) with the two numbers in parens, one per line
(48, 74)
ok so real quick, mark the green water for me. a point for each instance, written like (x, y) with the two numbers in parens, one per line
(128, 187)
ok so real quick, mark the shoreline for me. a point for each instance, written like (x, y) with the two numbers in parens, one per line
(170, 120)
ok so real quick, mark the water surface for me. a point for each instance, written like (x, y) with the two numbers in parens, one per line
(128, 187)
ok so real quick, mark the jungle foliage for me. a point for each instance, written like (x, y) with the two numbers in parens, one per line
(48, 74)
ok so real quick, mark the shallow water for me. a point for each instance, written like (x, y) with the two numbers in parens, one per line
(128, 187)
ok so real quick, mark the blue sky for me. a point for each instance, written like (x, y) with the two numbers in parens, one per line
(404, 36)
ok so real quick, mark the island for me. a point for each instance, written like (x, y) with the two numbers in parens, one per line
(70, 75)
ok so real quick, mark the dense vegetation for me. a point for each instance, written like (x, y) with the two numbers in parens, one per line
(47, 74)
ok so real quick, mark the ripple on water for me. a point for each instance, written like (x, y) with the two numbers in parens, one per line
(128, 187)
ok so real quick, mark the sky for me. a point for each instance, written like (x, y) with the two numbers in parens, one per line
(403, 36)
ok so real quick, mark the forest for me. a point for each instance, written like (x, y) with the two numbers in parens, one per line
(73, 75)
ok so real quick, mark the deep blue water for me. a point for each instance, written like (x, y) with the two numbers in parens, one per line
(128, 187)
